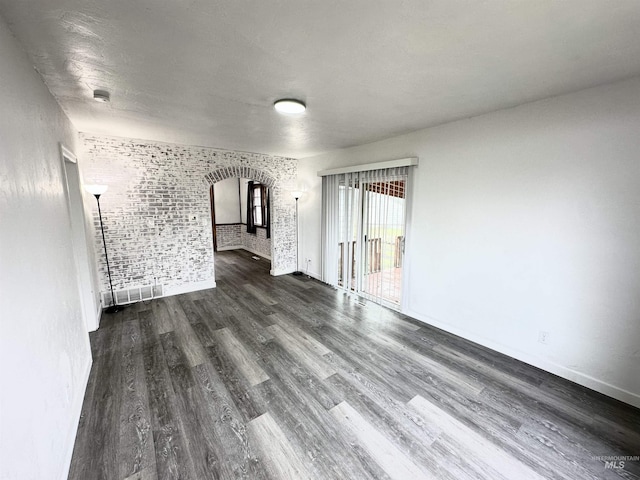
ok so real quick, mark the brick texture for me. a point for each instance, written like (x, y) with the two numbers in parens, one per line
(157, 213)
(258, 242)
(236, 236)
(229, 236)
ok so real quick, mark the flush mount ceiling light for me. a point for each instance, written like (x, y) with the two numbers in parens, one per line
(101, 96)
(289, 106)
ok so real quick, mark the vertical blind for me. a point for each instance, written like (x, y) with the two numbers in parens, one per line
(354, 206)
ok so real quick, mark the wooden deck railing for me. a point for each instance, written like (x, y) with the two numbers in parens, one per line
(373, 257)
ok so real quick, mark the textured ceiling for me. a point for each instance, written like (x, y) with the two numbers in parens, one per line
(206, 72)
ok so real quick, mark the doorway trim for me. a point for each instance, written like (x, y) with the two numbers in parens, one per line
(85, 275)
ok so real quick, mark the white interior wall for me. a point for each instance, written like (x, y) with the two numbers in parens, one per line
(44, 348)
(524, 220)
(227, 200)
(231, 204)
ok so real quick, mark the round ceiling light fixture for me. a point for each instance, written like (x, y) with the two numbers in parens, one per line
(289, 106)
(101, 96)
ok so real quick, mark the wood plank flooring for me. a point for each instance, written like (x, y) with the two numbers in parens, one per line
(285, 378)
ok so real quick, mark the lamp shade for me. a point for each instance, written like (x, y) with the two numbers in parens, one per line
(96, 189)
(296, 193)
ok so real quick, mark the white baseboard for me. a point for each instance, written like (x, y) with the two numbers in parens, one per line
(281, 271)
(315, 275)
(76, 410)
(242, 247)
(551, 367)
(188, 287)
(275, 273)
(255, 252)
(98, 318)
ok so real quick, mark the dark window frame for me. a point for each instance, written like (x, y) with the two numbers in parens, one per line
(262, 208)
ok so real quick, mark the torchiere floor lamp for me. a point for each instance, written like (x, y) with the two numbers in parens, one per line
(96, 191)
(297, 194)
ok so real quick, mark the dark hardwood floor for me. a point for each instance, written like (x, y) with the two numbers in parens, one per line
(284, 378)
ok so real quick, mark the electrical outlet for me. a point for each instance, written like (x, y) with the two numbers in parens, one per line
(543, 337)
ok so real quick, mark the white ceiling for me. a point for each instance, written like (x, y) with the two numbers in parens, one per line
(206, 72)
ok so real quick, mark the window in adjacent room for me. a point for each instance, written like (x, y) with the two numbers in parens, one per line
(259, 206)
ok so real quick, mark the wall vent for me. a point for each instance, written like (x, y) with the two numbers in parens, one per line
(132, 295)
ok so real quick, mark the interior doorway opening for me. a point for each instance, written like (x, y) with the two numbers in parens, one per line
(241, 216)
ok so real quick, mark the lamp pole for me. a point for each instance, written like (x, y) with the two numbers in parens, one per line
(297, 194)
(297, 272)
(96, 191)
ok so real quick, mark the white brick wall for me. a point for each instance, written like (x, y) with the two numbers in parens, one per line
(258, 242)
(229, 235)
(154, 190)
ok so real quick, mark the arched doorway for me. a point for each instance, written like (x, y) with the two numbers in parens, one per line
(282, 215)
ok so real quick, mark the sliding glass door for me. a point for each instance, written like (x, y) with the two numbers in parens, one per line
(368, 213)
(383, 233)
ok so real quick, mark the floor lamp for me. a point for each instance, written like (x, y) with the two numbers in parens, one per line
(297, 194)
(96, 191)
